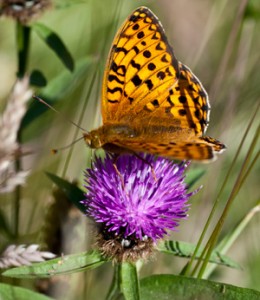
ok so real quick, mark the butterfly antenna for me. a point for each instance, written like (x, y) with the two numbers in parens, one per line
(55, 151)
(64, 117)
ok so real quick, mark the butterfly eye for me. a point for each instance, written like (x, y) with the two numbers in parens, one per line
(96, 142)
(91, 140)
(87, 138)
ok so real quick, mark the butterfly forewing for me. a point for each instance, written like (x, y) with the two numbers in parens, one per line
(151, 102)
(141, 67)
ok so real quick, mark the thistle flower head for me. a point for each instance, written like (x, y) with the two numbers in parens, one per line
(140, 199)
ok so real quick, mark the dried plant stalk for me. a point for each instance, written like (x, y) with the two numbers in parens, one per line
(10, 122)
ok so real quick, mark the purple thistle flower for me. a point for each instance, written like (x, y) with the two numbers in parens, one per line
(137, 201)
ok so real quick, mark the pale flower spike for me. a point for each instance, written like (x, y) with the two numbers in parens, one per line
(10, 122)
(16, 256)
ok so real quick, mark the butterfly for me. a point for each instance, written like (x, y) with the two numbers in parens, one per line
(151, 102)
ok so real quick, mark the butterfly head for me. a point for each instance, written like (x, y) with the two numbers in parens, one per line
(93, 139)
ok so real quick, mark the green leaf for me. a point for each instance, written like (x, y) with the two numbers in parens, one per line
(252, 10)
(63, 265)
(183, 249)
(38, 79)
(193, 176)
(10, 292)
(72, 192)
(4, 226)
(162, 287)
(56, 89)
(55, 43)
(230, 238)
(129, 284)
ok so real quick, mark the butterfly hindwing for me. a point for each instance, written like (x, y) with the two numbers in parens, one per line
(202, 149)
(188, 102)
(185, 106)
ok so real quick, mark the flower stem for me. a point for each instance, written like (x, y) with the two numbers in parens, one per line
(125, 281)
(129, 284)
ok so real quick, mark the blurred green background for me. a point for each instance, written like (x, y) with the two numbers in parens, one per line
(219, 41)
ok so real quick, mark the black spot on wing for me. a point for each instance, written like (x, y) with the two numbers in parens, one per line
(161, 75)
(164, 59)
(114, 90)
(147, 54)
(112, 101)
(135, 65)
(182, 99)
(140, 35)
(182, 112)
(135, 48)
(136, 27)
(120, 49)
(151, 66)
(120, 70)
(149, 84)
(134, 18)
(136, 80)
(113, 77)
(155, 103)
(170, 101)
(158, 47)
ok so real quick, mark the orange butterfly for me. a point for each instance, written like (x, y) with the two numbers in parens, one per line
(151, 102)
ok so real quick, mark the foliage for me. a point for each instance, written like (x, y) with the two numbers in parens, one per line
(64, 54)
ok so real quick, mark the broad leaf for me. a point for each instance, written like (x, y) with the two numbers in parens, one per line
(165, 287)
(4, 225)
(62, 265)
(10, 292)
(72, 192)
(193, 176)
(56, 89)
(55, 43)
(184, 249)
(38, 79)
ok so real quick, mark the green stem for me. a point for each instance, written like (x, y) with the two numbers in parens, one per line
(22, 42)
(129, 283)
(79, 121)
(23, 34)
(189, 264)
(240, 179)
(16, 208)
(229, 239)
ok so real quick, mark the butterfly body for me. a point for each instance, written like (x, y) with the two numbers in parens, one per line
(151, 102)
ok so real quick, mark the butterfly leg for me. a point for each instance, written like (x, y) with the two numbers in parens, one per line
(117, 171)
